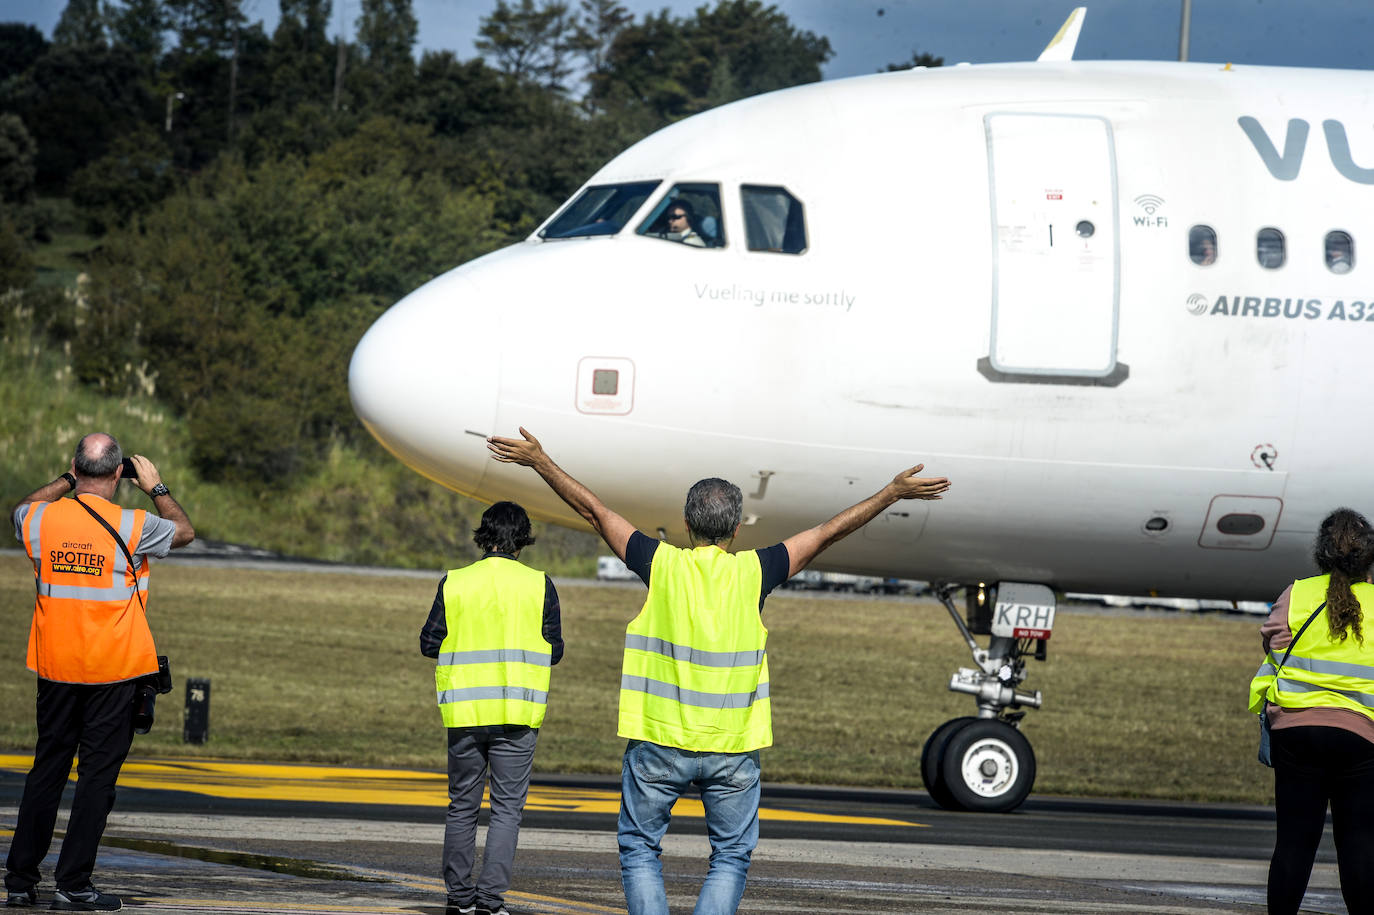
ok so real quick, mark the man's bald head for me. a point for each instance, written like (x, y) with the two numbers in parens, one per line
(98, 456)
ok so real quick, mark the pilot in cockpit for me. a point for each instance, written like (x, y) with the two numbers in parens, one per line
(679, 225)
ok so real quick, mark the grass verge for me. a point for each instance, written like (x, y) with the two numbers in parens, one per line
(325, 667)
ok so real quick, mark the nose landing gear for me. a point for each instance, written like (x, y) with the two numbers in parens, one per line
(984, 763)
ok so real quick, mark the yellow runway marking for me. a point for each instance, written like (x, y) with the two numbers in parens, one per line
(345, 785)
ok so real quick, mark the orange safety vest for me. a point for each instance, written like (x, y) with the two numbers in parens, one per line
(89, 624)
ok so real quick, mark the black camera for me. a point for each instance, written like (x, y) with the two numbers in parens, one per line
(146, 693)
(129, 472)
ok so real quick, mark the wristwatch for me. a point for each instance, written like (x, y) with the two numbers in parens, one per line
(71, 480)
(159, 490)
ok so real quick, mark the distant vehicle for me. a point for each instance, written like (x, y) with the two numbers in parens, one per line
(1091, 293)
(1183, 604)
(610, 568)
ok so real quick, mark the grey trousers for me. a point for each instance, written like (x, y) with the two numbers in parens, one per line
(509, 756)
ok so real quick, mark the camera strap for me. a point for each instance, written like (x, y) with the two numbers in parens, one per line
(122, 545)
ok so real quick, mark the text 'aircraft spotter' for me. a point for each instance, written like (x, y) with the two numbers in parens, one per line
(1118, 304)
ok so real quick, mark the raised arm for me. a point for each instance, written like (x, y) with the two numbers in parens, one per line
(527, 452)
(165, 505)
(806, 546)
(49, 492)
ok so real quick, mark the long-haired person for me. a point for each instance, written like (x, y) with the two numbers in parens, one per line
(1320, 704)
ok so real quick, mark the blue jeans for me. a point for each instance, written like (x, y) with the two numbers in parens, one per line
(652, 778)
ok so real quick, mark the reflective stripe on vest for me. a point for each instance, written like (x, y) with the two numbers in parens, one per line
(695, 672)
(1321, 671)
(88, 625)
(494, 662)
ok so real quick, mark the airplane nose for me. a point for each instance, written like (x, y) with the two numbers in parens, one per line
(424, 380)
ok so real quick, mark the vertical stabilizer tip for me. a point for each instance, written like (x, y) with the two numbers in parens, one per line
(1062, 45)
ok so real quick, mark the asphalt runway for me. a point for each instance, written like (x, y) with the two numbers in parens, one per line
(214, 836)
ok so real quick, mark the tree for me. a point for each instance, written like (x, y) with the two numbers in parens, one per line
(765, 51)
(237, 290)
(74, 102)
(20, 46)
(918, 59)
(301, 59)
(210, 34)
(530, 42)
(81, 23)
(16, 265)
(17, 170)
(139, 25)
(673, 68)
(386, 33)
(135, 174)
(598, 24)
(384, 78)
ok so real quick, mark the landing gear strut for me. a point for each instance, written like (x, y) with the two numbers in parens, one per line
(984, 762)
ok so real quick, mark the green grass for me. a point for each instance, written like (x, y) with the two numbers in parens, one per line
(326, 667)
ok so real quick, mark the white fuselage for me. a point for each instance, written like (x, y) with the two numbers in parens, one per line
(1096, 403)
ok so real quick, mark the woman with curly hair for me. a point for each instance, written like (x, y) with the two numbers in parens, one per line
(1319, 698)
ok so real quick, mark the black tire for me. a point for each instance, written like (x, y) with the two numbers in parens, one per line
(988, 766)
(932, 754)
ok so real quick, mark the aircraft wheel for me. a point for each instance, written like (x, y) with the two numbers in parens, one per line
(932, 754)
(988, 766)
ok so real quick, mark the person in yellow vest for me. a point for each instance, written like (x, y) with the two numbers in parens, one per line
(495, 630)
(694, 688)
(89, 644)
(1320, 704)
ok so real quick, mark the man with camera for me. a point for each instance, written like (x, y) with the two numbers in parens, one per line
(90, 646)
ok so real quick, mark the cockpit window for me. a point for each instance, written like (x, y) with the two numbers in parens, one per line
(690, 215)
(773, 219)
(600, 210)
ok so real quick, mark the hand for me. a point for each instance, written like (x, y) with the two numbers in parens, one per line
(147, 473)
(526, 453)
(907, 485)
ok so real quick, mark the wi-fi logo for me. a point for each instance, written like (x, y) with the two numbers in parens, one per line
(1197, 304)
(1149, 203)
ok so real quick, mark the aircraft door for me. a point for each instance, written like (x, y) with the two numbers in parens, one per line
(1056, 263)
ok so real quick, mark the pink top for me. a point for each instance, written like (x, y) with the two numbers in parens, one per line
(1276, 634)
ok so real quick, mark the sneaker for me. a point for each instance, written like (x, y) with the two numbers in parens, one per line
(23, 899)
(88, 900)
(460, 908)
(499, 910)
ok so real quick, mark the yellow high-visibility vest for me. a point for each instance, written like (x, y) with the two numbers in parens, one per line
(1321, 671)
(695, 674)
(493, 663)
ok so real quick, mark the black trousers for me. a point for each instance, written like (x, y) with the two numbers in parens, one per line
(1314, 766)
(96, 722)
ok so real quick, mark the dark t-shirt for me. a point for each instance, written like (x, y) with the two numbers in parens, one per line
(639, 559)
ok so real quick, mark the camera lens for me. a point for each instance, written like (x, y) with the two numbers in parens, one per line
(143, 709)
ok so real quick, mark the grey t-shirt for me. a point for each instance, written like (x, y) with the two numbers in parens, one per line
(156, 540)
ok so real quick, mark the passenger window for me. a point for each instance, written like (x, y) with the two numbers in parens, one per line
(1269, 249)
(1202, 245)
(1340, 252)
(601, 210)
(690, 215)
(773, 220)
